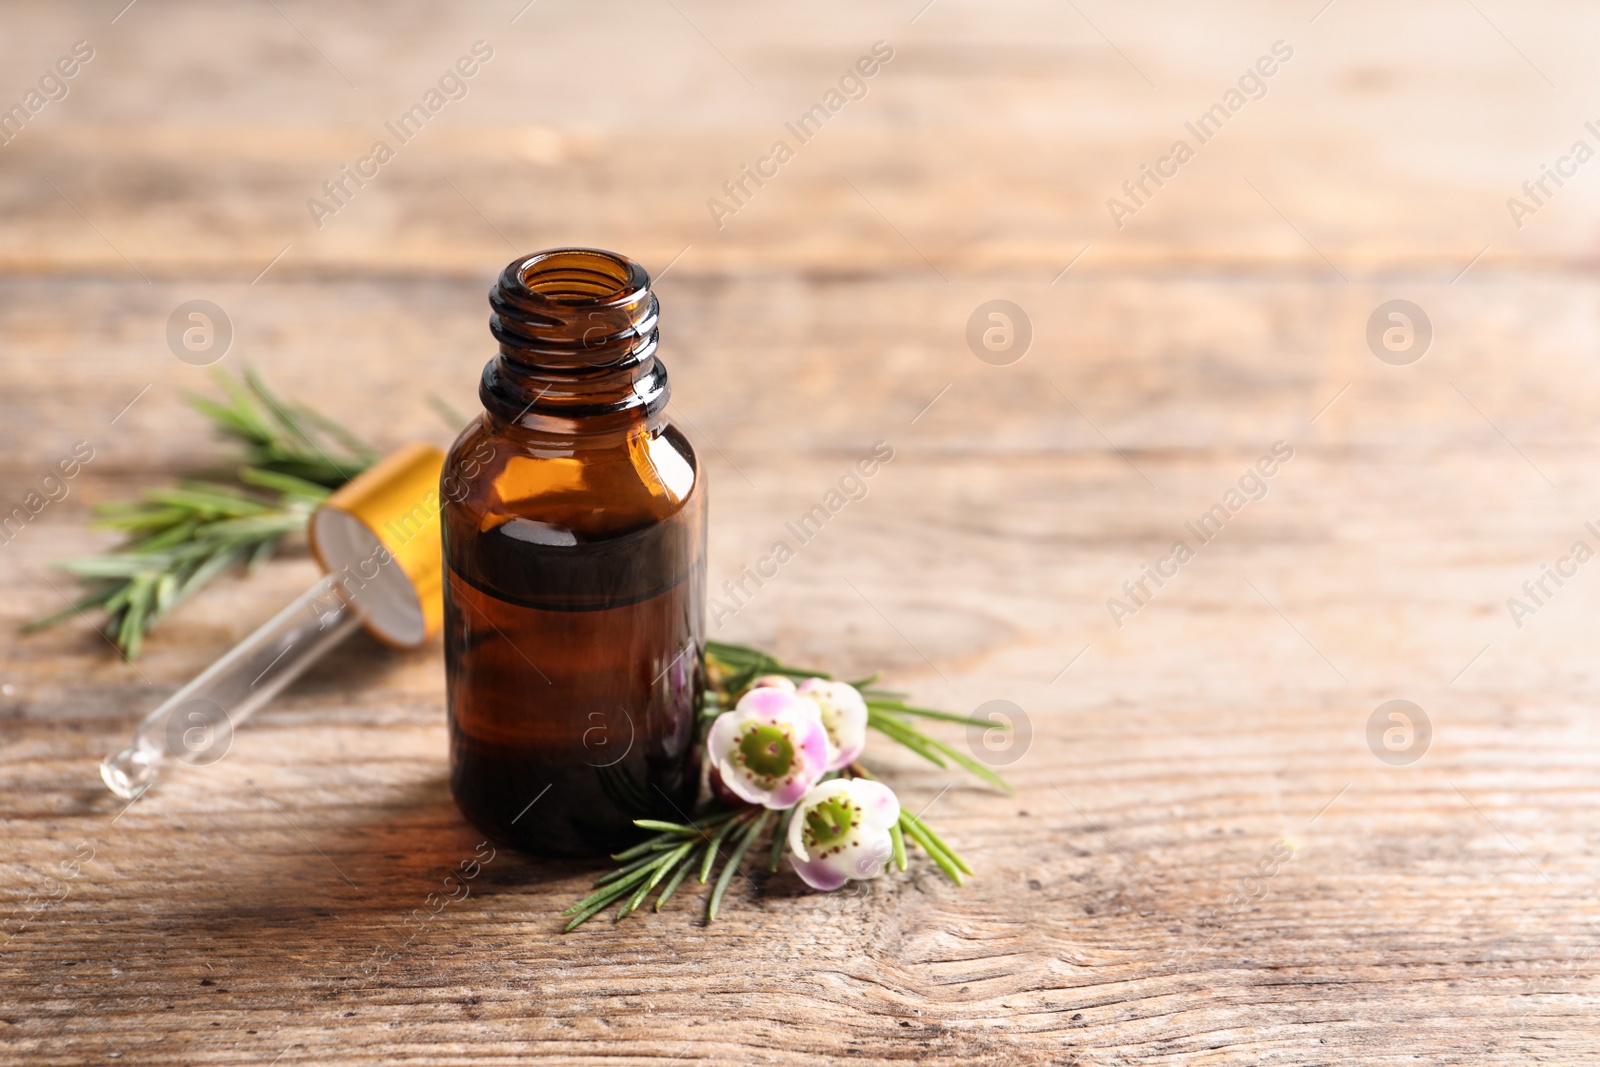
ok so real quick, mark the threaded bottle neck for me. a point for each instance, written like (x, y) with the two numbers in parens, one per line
(577, 329)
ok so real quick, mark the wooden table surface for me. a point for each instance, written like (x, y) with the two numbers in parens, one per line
(1432, 910)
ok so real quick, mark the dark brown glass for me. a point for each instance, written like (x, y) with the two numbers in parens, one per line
(574, 544)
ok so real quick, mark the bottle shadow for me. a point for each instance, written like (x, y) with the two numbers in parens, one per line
(348, 868)
(399, 879)
(348, 864)
(371, 895)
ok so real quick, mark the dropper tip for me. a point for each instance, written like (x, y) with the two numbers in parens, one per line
(127, 774)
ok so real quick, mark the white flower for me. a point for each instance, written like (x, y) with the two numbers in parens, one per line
(844, 714)
(840, 831)
(770, 748)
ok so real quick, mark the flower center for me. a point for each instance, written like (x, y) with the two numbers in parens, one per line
(767, 751)
(831, 822)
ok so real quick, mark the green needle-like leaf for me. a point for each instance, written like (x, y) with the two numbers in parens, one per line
(780, 837)
(676, 880)
(713, 846)
(696, 827)
(905, 735)
(671, 861)
(753, 661)
(660, 871)
(745, 840)
(649, 844)
(286, 484)
(968, 762)
(633, 901)
(612, 890)
(942, 853)
(903, 708)
(938, 843)
(94, 600)
(622, 872)
(930, 748)
(586, 914)
(917, 833)
(178, 539)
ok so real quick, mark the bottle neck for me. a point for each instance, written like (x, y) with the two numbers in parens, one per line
(577, 329)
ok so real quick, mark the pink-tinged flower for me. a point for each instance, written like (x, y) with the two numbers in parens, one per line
(844, 714)
(770, 748)
(774, 681)
(840, 831)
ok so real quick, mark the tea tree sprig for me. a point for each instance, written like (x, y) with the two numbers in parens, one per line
(285, 436)
(736, 666)
(669, 856)
(678, 850)
(833, 812)
(177, 540)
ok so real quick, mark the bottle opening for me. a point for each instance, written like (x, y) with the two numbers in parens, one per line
(581, 276)
(578, 332)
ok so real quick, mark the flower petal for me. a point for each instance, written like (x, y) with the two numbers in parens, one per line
(818, 874)
(867, 858)
(724, 731)
(767, 701)
(774, 681)
(770, 749)
(880, 808)
(844, 713)
(840, 831)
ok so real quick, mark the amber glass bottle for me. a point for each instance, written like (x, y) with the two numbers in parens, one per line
(574, 543)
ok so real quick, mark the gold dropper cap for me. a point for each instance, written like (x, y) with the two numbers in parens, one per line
(378, 537)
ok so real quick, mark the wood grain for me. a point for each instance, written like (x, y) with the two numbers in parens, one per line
(1435, 913)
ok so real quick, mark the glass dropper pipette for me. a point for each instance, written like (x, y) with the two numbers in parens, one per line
(196, 723)
(378, 540)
